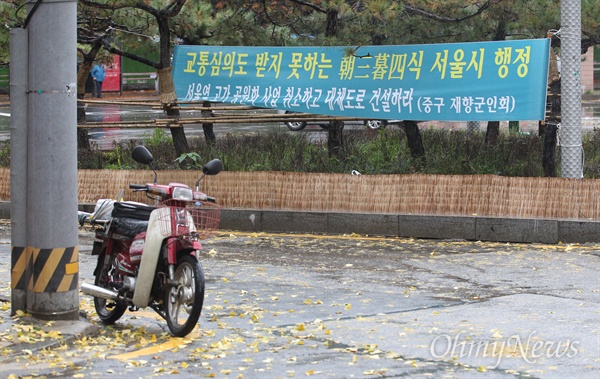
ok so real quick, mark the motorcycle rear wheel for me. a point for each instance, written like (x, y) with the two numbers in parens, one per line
(109, 311)
(183, 303)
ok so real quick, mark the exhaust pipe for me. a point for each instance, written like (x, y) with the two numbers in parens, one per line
(96, 291)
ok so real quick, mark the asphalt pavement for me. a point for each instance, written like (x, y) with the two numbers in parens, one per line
(291, 305)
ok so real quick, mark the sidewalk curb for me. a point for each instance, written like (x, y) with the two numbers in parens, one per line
(69, 331)
(471, 228)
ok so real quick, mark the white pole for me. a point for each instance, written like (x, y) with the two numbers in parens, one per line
(570, 56)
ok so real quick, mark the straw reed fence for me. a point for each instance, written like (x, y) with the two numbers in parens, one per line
(483, 195)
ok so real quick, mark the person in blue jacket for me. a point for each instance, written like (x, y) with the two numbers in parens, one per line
(98, 73)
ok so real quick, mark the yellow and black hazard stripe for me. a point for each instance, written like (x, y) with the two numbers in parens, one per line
(54, 270)
(18, 258)
(45, 270)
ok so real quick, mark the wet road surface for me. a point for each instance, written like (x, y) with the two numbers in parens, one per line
(352, 306)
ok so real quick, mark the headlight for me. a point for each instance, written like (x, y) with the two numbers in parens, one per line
(182, 193)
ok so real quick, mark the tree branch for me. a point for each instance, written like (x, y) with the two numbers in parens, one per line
(310, 5)
(114, 5)
(421, 12)
(110, 48)
(173, 9)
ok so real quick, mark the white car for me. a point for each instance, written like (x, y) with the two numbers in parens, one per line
(370, 124)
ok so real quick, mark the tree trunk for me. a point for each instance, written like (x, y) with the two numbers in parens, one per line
(555, 105)
(493, 127)
(209, 134)
(83, 74)
(414, 140)
(492, 132)
(331, 20)
(80, 108)
(548, 160)
(379, 38)
(168, 97)
(335, 138)
(83, 138)
(541, 128)
(179, 141)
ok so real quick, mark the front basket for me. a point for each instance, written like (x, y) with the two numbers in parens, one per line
(205, 216)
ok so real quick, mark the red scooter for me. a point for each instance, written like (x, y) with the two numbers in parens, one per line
(148, 255)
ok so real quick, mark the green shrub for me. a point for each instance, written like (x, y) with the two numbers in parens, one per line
(5, 154)
(383, 152)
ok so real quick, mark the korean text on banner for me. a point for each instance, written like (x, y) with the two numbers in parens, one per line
(476, 81)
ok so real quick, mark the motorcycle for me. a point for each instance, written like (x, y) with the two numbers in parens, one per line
(148, 255)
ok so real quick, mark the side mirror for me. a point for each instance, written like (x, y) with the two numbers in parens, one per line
(141, 155)
(213, 167)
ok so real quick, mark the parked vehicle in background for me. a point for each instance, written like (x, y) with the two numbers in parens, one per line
(370, 124)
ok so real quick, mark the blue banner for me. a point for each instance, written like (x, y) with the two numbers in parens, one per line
(476, 81)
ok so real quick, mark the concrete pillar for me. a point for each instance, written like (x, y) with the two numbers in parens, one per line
(52, 233)
(18, 165)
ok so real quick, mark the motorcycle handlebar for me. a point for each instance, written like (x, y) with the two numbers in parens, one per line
(138, 186)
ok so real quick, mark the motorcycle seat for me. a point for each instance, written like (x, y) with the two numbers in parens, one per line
(129, 227)
(129, 209)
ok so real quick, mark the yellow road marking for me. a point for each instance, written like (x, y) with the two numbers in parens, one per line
(169, 345)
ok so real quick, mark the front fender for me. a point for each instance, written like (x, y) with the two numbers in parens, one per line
(175, 245)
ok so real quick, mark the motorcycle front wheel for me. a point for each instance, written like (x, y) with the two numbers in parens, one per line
(183, 302)
(109, 311)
